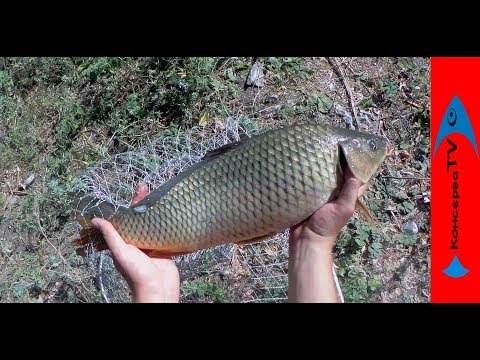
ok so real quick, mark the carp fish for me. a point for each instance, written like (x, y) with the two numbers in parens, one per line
(242, 192)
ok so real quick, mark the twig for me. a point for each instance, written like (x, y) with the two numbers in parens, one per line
(337, 285)
(396, 220)
(100, 278)
(45, 235)
(19, 192)
(407, 177)
(413, 104)
(7, 202)
(339, 72)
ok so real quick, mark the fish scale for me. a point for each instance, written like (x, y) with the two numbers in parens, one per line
(251, 189)
(224, 195)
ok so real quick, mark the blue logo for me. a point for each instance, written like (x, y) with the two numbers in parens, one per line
(455, 120)
(455, 269)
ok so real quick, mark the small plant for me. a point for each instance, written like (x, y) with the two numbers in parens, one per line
(320, 102)
(275, 288)
(388, 88)
(284, 67)
(202, 290)
(407, 240)
(6, 84)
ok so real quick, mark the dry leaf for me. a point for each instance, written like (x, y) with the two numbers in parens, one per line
(204, 119)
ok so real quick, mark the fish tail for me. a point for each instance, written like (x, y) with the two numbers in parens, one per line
(366, 212)
(87, 208)
(91, 240)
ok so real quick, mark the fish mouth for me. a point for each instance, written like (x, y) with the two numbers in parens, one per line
(343, 160)
(361, 161)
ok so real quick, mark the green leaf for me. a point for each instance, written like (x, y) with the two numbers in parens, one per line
(231, 75)
(324, 103)
(373, 206)
(406, 240)
(240, 65)
(405, 207)
(321, 102)
(407, 63)
(375, 283)
(360, 241)
(408, 206)
(405, 144)
(389, 88)
(84, 65)
(366, 103)
(374, 249)
(304, 72)
(402, 195)
(81, 110)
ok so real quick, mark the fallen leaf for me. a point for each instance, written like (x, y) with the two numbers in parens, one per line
(271, 252)
(404, 155)
(204, 119)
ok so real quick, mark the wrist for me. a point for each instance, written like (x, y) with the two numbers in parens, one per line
(307, 239)
(310, 271)
(149, 293)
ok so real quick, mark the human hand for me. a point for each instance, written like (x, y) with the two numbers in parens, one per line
(151, 280)
(326, 223)
(311, 242)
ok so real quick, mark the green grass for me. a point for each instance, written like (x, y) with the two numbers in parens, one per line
(202, 290)
(358, 245)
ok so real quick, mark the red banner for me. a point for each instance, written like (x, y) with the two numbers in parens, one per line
(455, 180)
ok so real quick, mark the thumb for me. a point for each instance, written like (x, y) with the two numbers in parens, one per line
(114, 241)
(349, 193)
(141, 192)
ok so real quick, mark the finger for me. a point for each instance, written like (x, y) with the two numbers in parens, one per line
(349, 193)
(142, 191)
(362, 189)
(115, 242)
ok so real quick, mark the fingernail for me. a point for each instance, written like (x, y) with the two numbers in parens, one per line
(95, 224)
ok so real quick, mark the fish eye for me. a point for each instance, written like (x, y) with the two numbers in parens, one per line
(372, 145)
(356, 143)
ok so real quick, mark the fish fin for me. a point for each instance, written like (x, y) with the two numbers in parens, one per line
(221, 150)
(83, 221)
(87, 207)
(158, 254)
(91, 240)
(156, 195)
(366, 212)
(254, 240)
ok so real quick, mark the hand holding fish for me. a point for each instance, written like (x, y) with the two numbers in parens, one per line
(151, 280)
(311, 243)
(310, 258)
(244, 192)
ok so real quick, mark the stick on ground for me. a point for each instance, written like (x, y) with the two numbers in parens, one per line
(339, 72)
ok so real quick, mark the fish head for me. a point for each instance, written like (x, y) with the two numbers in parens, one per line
(363, 153)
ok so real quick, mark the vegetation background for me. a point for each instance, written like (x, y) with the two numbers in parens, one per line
(60, 116)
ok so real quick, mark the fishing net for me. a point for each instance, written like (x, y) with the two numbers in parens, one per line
(236, 273)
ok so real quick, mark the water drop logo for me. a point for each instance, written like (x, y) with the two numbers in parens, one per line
(455, 120)
(455, 269)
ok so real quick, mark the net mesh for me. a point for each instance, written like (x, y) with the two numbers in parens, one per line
(246, 273)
